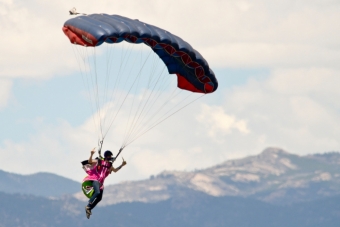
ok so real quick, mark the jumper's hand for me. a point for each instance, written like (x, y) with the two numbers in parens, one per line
(124, 162)
(93, 151)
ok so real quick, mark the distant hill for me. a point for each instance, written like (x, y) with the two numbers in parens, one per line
(274, 176)
(197, 209)
(39, 184)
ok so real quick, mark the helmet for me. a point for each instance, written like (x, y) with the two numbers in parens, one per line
(107, 153)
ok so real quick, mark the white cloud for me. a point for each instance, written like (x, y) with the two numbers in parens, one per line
(296, 109)
(219, 123)
(228, 33)
(272, 55)
(33, 41)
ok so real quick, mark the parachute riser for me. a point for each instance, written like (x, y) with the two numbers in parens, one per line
(120, 150)
(100, 143)
(100, 146)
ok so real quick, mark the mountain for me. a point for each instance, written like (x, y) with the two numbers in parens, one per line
(197, 209)
(40, 184)
(274, 188)
(274, 176)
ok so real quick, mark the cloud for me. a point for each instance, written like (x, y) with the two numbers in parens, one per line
(219, 123)
(228, 33)
(29, 36)
(292, 108)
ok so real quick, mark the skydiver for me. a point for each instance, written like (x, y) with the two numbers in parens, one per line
(101, 169)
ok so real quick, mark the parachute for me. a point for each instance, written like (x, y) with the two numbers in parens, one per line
(177, 56)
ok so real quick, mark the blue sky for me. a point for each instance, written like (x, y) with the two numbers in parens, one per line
(51, 100)
(277, 67)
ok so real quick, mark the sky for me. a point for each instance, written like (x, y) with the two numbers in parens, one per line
(277, 64)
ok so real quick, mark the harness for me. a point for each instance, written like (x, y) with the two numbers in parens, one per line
(103, 163)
